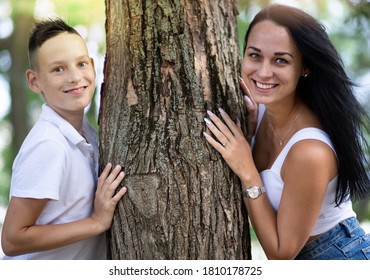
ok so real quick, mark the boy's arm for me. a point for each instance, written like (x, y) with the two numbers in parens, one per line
(20, 234)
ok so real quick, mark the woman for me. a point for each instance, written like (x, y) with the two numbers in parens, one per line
(306, 161)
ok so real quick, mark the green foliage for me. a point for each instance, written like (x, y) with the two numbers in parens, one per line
(81, 12)
(20, 7)
(6, 155)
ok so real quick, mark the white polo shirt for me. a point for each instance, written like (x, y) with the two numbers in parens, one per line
(57, 163)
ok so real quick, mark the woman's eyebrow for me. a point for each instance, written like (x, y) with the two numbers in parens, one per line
(276, 53)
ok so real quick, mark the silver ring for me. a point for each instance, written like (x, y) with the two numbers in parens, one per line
(224, 144)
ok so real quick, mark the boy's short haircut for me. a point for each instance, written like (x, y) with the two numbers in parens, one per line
(43, 31)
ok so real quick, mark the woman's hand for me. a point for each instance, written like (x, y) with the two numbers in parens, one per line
(105, 197)
(230, 142)
(251, 107)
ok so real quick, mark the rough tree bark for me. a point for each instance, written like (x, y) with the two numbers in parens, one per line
(167, 62)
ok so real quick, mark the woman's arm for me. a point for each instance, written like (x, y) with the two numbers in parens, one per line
(307, 170)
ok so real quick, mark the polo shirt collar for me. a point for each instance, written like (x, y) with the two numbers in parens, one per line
(66, 128)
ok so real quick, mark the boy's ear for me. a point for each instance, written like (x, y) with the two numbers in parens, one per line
(32, 81)
(92, 62)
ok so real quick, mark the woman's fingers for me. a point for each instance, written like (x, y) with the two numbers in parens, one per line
(230, 124)
(246, 90)
(252, 109)
(215, 144)
(226, 135)
(219, 130)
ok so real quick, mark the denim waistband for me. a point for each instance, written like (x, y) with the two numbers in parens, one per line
(347, 227)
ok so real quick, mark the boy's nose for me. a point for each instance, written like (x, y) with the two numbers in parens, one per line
(74, 76)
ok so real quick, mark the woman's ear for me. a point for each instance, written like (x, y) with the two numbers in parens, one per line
(32, 81)
(305, 72)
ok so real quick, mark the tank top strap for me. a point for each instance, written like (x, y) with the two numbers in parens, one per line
(303, 134)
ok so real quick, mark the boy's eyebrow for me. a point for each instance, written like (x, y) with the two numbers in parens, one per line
(61, 61)
(276, 53)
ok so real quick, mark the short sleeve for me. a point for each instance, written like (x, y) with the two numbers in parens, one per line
(38, 170)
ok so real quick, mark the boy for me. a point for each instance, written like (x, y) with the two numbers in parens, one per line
(52, 211)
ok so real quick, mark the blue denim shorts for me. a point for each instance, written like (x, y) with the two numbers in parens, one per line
(345, 241)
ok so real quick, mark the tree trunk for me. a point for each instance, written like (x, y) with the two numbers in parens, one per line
(167, 63)
(17, 81)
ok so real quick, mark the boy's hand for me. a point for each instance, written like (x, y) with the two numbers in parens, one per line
(105, 198)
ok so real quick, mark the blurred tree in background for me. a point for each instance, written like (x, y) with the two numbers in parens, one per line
(347, 22)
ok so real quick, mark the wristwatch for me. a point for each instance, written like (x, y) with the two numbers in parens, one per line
(253, 192)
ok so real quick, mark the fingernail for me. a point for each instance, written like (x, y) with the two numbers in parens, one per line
(210, 113)
(206, 134)
(208, 121)
(241, 79)
(247, 99)
(221, 111)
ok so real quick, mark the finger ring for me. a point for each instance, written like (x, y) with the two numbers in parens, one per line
(224, 144)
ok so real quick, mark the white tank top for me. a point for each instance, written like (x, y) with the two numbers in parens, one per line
(330, 215)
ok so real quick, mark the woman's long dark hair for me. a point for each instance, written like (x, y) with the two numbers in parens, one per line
(328, 92)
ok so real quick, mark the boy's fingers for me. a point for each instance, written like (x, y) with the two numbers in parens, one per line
(106, 170)
(113, 185)
(113, 175)
(117, 197)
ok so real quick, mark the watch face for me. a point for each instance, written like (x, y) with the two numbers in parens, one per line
(253, 192)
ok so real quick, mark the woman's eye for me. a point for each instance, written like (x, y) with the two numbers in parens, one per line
(58, 69)
(281, 61)
(254, 56)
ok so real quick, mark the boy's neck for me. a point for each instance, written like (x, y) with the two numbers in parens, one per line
(74, 118)
(77, 124)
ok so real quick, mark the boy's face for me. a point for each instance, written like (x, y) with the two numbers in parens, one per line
(65, 75)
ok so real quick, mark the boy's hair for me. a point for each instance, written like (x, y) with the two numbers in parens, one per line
(43, 31)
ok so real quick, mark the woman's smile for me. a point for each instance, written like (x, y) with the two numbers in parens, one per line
(264, 86)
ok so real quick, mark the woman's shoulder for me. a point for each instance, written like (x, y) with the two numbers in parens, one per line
(311, 133)
(312, 152)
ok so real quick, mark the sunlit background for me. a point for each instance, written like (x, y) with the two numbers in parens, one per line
(347, 22)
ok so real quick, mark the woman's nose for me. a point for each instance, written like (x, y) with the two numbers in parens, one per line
(265, 70)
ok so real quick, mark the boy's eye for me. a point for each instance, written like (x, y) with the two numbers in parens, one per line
(82, 64)
(58, 69)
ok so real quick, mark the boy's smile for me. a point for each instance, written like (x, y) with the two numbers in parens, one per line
(76, 91)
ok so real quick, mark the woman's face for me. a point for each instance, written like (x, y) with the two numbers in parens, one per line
(272, 63)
